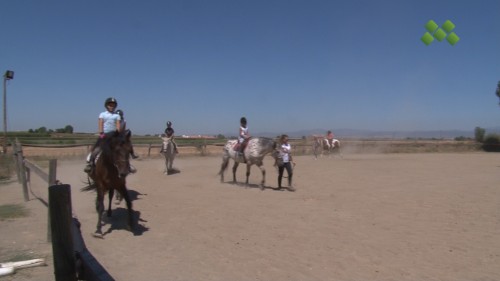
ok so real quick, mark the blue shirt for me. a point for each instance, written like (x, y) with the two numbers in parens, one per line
(109, 121)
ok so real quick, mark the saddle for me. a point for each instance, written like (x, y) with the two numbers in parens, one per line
(236, 147)
(239, 147)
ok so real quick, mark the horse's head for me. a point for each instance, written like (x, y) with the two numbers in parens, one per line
(120, 148)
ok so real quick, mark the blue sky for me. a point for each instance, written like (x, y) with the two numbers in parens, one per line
(286, 65)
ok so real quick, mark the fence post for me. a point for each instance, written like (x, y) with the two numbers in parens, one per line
(52, 181)
(22, 170)
(62, 239)
(14, 154)
(52, 171)
(149, 150)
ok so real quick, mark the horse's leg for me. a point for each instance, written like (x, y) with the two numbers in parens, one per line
(110, 195)
(170, 157)
(223, 167)
(235, 167)
(261, 167)
(248, 173)
(165, 154)
(99, 205)
(124, 193)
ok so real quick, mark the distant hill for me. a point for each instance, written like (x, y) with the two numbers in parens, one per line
(352, 133)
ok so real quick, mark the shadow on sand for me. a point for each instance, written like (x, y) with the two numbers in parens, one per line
(251, 185)
(119, 217)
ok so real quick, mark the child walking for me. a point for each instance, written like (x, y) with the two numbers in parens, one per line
(286, 162)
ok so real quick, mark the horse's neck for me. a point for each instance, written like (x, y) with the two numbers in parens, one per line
(255, 148)
(166, 142)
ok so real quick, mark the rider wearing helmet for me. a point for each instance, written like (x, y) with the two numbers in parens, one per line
(109, 122)
(329, 138)
(169, 132)
(243, 135)
(243, 138)
(123, 128)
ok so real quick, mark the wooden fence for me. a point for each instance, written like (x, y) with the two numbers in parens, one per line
(72, 260)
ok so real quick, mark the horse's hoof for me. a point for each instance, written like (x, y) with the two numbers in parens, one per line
(291, 188)
(98, 235)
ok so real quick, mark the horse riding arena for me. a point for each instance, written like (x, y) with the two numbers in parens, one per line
(366, 216)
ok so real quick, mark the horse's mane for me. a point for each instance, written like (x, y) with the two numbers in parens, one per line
(267, 141)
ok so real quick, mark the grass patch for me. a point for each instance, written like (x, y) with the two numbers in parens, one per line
(22, 256)
(11, 211)
(6, 166)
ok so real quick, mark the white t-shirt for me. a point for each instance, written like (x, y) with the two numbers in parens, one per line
(243, 133)
(285, 152)
(109, 121)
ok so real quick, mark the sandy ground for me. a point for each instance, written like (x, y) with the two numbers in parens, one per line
(363, 217)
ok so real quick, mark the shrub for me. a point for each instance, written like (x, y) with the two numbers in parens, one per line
(6, 166)
(491, 143)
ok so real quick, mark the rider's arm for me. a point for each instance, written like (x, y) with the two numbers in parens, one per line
(100, 125)
(118, 125)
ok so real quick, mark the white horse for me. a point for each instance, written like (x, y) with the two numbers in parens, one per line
(168, 150)
(253, 153)
(322, 146)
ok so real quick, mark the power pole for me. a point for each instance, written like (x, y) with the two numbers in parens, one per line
(7, 76)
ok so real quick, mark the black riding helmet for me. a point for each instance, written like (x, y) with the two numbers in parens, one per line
(243, 120)
(120, 112)
(169, 123)
(110, 100)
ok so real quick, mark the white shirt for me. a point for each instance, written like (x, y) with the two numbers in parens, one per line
(243, 133)
(285, 152)
(109, 121)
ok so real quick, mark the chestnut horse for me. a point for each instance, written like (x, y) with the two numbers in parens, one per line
(109, 174)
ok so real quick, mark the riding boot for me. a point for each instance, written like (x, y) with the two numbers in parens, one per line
(91, 159)
(90, 163)
(88, 168)
(242, 154)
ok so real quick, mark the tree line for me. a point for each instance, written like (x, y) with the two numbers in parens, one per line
(68, 129)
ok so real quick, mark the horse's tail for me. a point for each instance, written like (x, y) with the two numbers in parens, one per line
(91, 185)
(225, 161)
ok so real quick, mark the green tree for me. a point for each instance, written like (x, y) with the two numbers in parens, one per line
(68, 129)
(498, 89)
(491, 143)
(41, 130)
(479, 134)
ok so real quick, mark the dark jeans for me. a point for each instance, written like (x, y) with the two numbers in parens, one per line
(281, 169)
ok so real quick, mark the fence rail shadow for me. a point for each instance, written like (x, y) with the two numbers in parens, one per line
(72, 260)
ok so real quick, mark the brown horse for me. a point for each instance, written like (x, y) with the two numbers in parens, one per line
(110, 171)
